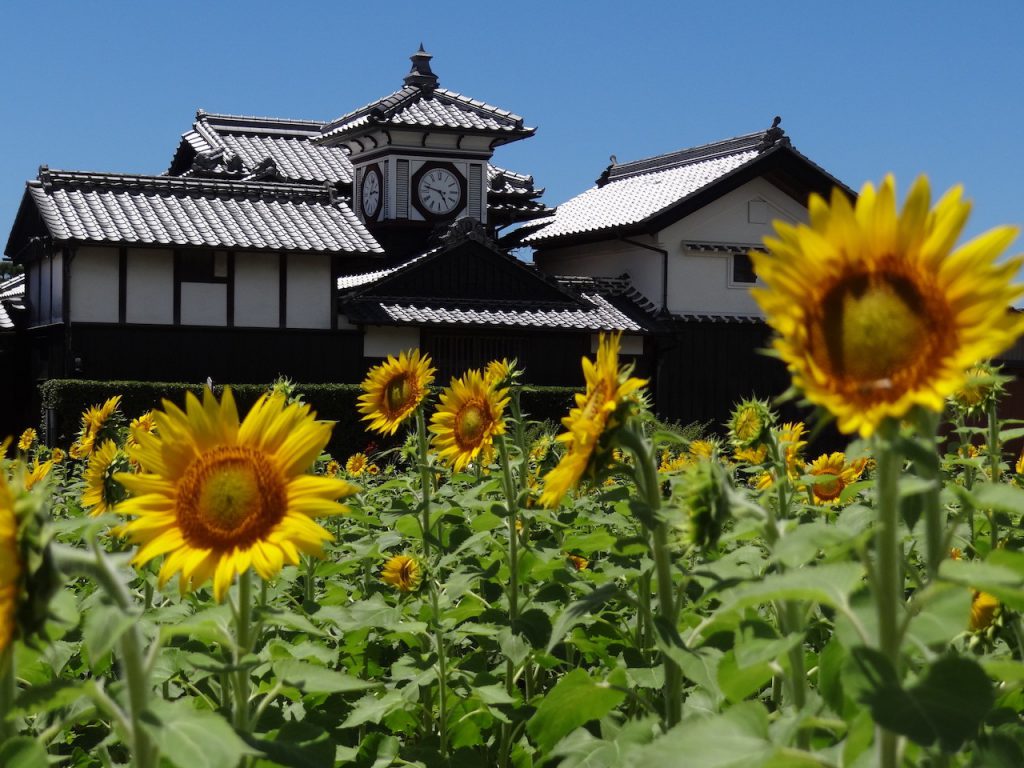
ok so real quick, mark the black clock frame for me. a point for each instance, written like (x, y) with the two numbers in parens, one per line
(375, 170)
(414, 195)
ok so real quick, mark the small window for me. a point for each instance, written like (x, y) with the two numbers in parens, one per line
(203, 267)
(743, 269)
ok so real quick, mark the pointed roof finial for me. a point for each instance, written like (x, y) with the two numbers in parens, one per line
(421, 76)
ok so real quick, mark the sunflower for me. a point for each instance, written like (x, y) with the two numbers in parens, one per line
(57, 455)
(10, 565)
(749, 423)
(27, 439)
(145, 424)
(82, 447)
(608, 388)
(874, 310)
(751, 456)
(37, 472)
(332, 469)
(101, 492)
(578, 562)
(393, 389)
(467, 420)
(356, 464)
(703, 449)
(403, 572)
(217, 496)
(832, 475)
(983, 610)
(97, 416)
(499, 373)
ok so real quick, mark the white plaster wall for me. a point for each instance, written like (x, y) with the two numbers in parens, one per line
(204, 304)
(700, 282)
(257, 291)
(308, 303)
(697, 282)
(149, 294)
(57, 287)
(611, 258)
(384, 340)
(94, 285)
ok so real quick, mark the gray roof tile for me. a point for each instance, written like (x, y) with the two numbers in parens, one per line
(199, 212)
(434, 107)
(631, 199)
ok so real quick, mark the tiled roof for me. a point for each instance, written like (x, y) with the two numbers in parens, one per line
(199, 212)
(598, 314)
(348, 282)
(254, 140)
(430, 107)
(12, 296)
(636, 192)
(633, 198)
(241, 147)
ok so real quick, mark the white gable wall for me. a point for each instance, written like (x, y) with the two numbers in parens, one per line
(697, 282)
(701, 282)
(610, 258)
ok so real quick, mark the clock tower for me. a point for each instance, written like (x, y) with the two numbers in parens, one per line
(421, 158)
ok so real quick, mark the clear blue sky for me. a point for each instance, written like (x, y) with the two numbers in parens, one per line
(863, 88)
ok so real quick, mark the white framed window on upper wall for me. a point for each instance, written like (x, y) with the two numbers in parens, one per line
(741, 271)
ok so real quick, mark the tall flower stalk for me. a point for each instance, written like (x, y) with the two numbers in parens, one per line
(876, 314)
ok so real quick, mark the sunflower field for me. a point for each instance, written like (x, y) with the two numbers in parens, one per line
(194, 587)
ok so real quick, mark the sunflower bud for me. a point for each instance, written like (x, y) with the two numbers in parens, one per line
(982, 388)
(749, 423)
(706, 502)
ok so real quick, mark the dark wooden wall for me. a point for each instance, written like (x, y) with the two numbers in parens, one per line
(702, 369)
(550, 358)
(244, 356)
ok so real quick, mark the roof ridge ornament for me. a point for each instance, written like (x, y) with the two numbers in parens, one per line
(773, 136)
(421, 75)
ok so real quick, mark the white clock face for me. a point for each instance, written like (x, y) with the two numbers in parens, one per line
(439, 191)
(371, 194)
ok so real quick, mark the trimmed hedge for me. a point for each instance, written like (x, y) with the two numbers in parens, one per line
(63, 401)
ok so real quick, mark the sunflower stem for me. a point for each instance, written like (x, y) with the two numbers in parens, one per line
(888, 576)
(934, 522)
(994, 449)
(648, 485)
(8, 691)
(789, 613)
(425, 483)
(442, 673)
(243, 646)
(520, 437)
(511, 498)
(144, 752)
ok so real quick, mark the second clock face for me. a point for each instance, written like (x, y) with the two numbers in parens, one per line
(371, 194)
(439, 191)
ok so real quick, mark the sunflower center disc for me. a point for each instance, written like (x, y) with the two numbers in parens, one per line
(470, 425)
(874, 326)
(230, 497)
(827, 489)
(397, 393)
